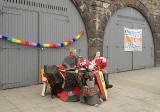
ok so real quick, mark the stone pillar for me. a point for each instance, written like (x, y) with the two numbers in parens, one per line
(96, 13)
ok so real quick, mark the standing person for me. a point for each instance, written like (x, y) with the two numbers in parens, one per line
(71, 60)
(101, 64)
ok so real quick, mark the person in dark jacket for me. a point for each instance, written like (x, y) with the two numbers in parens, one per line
(71, 60)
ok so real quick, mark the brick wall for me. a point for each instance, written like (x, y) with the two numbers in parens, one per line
(96, 13)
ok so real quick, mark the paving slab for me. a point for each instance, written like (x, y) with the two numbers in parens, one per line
(133, 91)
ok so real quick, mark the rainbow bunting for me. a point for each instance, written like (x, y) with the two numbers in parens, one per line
(63, 44)
(1, 36)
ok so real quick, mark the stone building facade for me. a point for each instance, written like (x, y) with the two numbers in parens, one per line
(96, 14)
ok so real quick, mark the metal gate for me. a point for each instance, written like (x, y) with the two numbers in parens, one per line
(118, 59)
(37, 21)
(18, 63)
(61, 28)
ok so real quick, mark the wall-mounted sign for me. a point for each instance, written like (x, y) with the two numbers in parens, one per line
(132, 39)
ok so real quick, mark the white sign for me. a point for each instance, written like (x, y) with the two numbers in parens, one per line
(132, 39)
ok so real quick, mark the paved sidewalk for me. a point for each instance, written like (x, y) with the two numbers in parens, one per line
(134, 91)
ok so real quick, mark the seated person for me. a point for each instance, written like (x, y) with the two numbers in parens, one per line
(71, 60)
(101, 64)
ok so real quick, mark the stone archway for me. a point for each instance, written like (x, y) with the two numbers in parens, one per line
(139, 6)
(96, 14)
(114, 50)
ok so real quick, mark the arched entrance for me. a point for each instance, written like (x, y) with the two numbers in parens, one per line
(119, 59)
